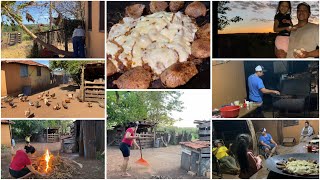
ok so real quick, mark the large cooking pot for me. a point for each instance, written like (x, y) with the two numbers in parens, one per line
(116, 11)
(271, 163)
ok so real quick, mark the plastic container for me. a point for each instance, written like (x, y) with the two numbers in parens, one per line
(230, 111)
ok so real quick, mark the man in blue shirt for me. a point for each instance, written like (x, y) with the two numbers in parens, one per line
(257, 89)
(267, 143)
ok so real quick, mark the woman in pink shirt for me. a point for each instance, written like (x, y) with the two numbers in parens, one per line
(128, 140)
(249, 163)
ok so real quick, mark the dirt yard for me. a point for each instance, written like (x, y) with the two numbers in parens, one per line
(75, 109)
(164, 164)
(92, 169)
(17, 51)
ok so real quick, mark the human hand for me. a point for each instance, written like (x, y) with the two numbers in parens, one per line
(280, 53)
(276, 92)
(300, 53)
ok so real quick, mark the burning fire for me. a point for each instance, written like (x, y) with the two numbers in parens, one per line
(47, 158)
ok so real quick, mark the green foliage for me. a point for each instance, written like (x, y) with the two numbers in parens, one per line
(71, 67)
(223, 20)
(179, 130)
(21, 128)
(153, 106)
(4, 148)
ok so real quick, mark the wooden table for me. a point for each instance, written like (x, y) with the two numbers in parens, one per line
(245, 111)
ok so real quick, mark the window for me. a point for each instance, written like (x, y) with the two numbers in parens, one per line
(90, 15)
(38, 71)
(24, 70)
(101, 16)
(287, 123)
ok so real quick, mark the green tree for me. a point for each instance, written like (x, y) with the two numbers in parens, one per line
(153, 106)
(21, 128)
(12, 11)
(223, 20)
(71, 67)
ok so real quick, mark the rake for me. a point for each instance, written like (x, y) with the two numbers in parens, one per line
(142, 161)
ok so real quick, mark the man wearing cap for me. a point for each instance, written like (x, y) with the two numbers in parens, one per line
(303, 41)
(220, 151)
(267, 143)
(257, 89)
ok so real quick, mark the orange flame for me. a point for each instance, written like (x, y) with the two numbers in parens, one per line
(47, 158)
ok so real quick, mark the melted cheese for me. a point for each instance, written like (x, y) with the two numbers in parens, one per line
(159, 40)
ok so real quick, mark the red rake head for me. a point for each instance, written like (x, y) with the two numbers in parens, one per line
(142, 162)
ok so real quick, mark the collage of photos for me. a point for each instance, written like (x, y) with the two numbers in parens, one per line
(159, 89)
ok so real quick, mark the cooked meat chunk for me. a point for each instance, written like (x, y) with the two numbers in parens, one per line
(200, 48)
(135, 78)
(196, 9)
(178, 74)
(204, 31)
(175, 6)
(135, 10)
(156, 6)
(111, 68)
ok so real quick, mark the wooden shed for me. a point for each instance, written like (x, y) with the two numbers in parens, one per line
(52, 135)
(93, 82)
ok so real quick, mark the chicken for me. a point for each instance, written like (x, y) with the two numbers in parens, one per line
(57, 107)
(12, 104)
(101, 104)
(37, 104)
(135, 10)
(20, 95)
(200, 48)
(31, 103)
(28, 113)
(111, 68)
(67, 100)
(135, 78)
(204, 32)
(196, 9)
(175, 6)
(46, 102)
(25, 98)
(178, 74)
(7, 99)
(47, 95)
(89, 104)
(157, 6)
(70, 96)
(53, 95)
(64, 105)
(39, 96)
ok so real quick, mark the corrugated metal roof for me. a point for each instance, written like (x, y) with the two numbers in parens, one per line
(196, 144)
(27, 62)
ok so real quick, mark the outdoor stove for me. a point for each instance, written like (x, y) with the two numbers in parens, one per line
(195, 156)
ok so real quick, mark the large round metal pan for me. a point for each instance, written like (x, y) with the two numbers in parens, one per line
(272, 166)
(116, 11)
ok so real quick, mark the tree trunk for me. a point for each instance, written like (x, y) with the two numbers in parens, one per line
(100, 134)
(89, 139)
(34, 37)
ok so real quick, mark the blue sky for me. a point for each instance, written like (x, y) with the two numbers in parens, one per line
(258, 15)
(45, 62)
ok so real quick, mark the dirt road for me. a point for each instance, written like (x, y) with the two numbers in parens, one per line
(75, 109)
(164, 163)
(92, 169)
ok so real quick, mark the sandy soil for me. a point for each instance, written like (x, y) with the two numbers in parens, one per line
(75, 109)
(17, 51)
(164, 163)
(92, 169)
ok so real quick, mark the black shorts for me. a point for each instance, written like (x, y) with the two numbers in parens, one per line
(125, 149)
(19, 174)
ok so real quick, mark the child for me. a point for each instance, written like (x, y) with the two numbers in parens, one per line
(27, 138)
(283, 25)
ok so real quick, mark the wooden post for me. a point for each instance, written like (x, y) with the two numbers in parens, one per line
(82, 90)
(254, 138)
(47, 134)
(81, 149)
(65, 35)
(89, 139)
